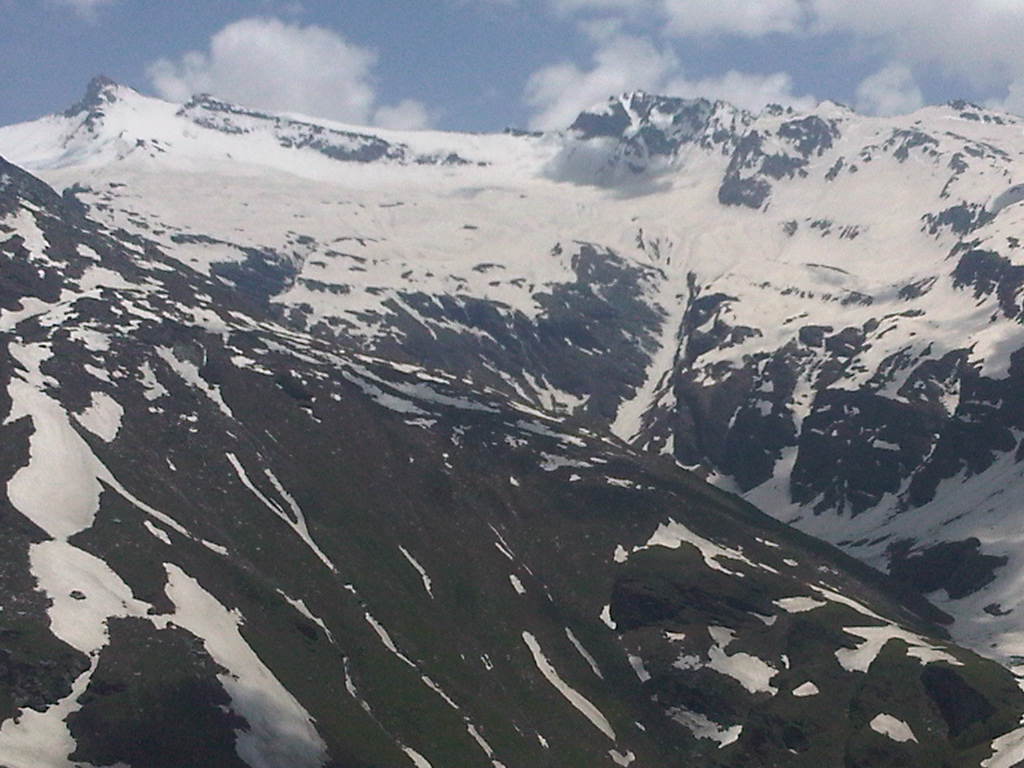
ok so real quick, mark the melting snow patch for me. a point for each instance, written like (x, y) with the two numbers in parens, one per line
(704, 728)
(638, 667)
(861, 658)
(296, 523)
(189, 373)
(749, 671)
(583, 652)
(798, 604)
(620, 758)
(63, 570)
(417, 759)
(895, 729)
(484, 746)
(300, 606)
(102, 417)
(807, 689)
(588, 710)
(280, 731)
(385, 638)
(218, 548)
(427, 584)
(672, 535)
(606, 617)
(36, 739)
(517, 585)
(55, 450)
(439, 691)
(1007, 750)
(551, 462)
(158, 532)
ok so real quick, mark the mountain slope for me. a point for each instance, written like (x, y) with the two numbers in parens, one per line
(189, 329)
(247, 559)
(819, 311)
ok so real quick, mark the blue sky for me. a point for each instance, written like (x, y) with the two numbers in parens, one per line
(486, 64)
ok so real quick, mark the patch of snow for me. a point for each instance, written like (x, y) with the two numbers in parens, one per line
(673, 534)
(860, 659)
(298, 524)
(583, 652)
(606, 617)
(386, 640)
(637, 664)
(189, 373)
(158, 532)
(102, 417)
(702, 727)
(517, 585)
(300, 606)
(798, 604)
(625, 759)
(585, 707)
(427, 584)
(1007, 750)
(418, 760)
(35, 739)
(280, 732)
(752, 673)
(895, 729)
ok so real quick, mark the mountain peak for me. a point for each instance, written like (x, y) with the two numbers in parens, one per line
(630, 113)
(101, 90)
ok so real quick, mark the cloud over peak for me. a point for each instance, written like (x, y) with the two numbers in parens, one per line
(270, 64)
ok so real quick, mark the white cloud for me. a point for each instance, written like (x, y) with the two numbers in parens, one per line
(1013, 101)
(86, 8)
(269, 64)
(626, 7)
(749, 18)
(751, 91)
(975, 39)
(408, 114)
(623, 63)
(890, 91)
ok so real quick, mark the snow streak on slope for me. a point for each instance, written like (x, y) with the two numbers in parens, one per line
(588, 710)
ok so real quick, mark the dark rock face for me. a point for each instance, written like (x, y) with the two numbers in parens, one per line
(100, 91)
(987, 272)
(643, 133)
(154, 700)
(855, 447)
(812, 135)
(961, 705)
(958, 567)
(903, 142)
(688, 120)
(960, 219)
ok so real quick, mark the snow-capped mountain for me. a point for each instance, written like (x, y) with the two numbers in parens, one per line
(369, 442)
